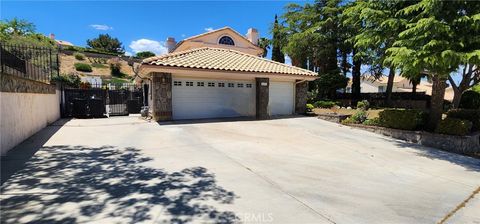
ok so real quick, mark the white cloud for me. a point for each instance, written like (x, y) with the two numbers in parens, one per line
(128, 53)
(148, 45)
(208, 29)
(101, 27)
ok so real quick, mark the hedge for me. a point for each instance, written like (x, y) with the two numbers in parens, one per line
(470, 100)
(402, 119)
(454, 126)
(466, 114)
(325, 104)
(83, 67)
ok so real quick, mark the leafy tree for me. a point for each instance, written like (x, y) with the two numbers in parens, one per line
(106, 43)
(329, 83)
(379, 25)
(145, 54)
(16, 27)
(277, 54)
(264, 43)
(470, 77)
(436, 41)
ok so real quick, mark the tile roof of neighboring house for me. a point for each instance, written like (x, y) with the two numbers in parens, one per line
(224, 59)
(63, 42)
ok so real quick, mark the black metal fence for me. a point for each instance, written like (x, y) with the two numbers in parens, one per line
(102, 100)
(30, 62)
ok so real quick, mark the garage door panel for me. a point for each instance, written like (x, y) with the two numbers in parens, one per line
(281, 98)
(195, 102)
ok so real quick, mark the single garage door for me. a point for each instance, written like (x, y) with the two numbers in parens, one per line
(281, 98)
(196, 98)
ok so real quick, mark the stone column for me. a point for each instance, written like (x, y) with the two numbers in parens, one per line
(262, 85)
(301, 97)
(161, 96)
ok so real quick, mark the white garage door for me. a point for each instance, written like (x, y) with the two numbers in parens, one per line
(195, 99)
(281, 98)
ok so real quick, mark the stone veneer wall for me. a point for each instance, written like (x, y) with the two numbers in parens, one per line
(301, 97)
(162, 96)
(262, 96)
(26, 107)
(15, 84)
(467, 145)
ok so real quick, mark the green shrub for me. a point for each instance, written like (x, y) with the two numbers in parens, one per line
(83, 67)
(363, 105)
(372, 122)
(309, 107)
(402, 119)
(454, 126)
(79, 56)
(357, 118)
(466, 114)
(325, 104)
(470, 100)
(69, 80)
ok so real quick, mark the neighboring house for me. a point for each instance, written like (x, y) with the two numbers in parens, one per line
(219, 74)
(368, 84)
(93, 80)
(60, 43)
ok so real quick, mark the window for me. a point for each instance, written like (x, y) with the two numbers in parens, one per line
(381, 89)
(226, 40)
(249, 85)
(211, 84)
(231, 85)
(221, 84)
(189, 83)
(240, 85)
(200, 84)
(177, 83)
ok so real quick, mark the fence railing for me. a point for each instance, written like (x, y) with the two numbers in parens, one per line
(30, 62)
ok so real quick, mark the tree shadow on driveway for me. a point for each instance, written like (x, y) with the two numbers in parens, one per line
(69, 184)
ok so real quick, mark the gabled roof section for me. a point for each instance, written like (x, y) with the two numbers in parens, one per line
(216, 31)
(226, 60)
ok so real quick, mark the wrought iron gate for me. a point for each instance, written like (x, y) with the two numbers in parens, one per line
(102, 100)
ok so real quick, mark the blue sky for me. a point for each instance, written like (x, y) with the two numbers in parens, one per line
(141, 24)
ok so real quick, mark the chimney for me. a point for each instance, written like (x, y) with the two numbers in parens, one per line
(252, 35)
(52, 36)
(171, 43)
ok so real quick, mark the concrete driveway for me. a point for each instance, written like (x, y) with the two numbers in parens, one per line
(296, 170)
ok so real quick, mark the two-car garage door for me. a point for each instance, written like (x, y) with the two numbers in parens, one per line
(198, 98)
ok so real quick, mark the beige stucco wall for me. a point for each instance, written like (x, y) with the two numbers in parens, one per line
(23, 114)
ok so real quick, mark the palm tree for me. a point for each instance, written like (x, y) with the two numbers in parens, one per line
(264, 43)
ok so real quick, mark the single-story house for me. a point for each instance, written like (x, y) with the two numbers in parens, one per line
(219, 74)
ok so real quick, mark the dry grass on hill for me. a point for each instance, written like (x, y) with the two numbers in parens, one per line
(67, 67)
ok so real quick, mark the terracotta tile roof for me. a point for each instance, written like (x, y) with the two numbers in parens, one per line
(224, 59)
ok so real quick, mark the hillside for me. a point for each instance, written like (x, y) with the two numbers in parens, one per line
(100, 67)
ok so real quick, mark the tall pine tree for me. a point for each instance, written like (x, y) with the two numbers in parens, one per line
(277, 54)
